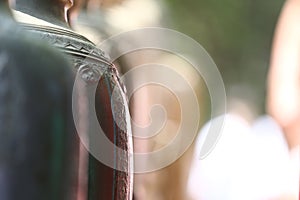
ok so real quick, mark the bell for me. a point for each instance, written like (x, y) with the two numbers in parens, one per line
(36, 129)
(47, 19)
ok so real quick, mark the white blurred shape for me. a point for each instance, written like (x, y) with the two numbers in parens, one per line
(134, 14)
(280, 168)
(249, 163)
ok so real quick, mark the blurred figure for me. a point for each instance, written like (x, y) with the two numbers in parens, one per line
(284, 76)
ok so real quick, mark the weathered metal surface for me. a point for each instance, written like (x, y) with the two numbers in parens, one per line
(103, 182)
(36, 129)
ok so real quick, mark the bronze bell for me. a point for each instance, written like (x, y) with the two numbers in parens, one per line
(36, 129)
(47, 19)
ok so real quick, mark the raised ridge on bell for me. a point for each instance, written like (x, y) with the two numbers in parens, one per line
(63, 38)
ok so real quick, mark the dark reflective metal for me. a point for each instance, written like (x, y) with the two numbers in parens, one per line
(36, 129)
(96, 180)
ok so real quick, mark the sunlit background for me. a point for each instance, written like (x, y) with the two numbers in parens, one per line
(251, 160)
(237, 34)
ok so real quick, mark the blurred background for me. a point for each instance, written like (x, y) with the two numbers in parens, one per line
(237, 34)
(251, 160)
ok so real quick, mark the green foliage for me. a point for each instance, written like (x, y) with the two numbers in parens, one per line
(237, 34)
